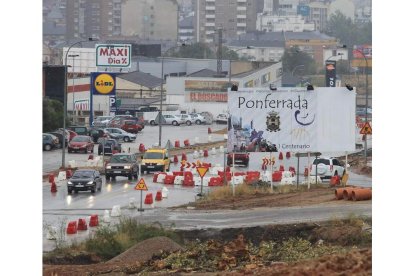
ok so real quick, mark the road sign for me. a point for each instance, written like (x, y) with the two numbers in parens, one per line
(202, 171)
(366, 129)
(141, 186)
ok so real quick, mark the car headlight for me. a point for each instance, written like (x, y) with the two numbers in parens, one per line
(160, 163)
(108, 167)
(70, 183)
(127, 167)
(90, 182)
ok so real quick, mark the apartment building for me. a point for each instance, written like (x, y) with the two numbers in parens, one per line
(150, 19)
(93, 18)
(233, 17)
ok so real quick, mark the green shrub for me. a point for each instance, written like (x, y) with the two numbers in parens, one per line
(104, 243)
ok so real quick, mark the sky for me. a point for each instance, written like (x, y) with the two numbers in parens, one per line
(393, 187)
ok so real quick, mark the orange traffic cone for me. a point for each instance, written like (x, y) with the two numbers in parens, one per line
(72, 228)
(53, 188)
(93, 221)
(209, 130)
(175, 159)
(158, 197)
(148, 199)
(82, 225)
(280, 156)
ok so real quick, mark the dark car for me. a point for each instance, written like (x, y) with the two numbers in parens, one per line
(239, 158)
(85, 180)
(81, 143)
(50, 141)
(59, 135)
(122, 164)
(108, 145)
(80, 130)
(97, 133)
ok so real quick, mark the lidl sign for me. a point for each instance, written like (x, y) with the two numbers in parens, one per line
(113, 55)
(103, 83)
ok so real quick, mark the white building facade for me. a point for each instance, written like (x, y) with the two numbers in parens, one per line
(278, 23)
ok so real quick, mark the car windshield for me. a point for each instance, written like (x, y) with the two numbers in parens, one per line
(109, 143)
(120, 159)
(321, 161)
(82, 174)
(153, 155)
(80, 139)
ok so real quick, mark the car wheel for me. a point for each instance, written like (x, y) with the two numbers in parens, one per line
(107, 177)
(168, 169)
(48, 147)
(152, 123)
(69, 151)
(99, 152)
(93, 190)
(126, 139)
(136, 175)
(142, 171)
(198, 122)
(114, 178)
(174, 123)
(92, 149)
(130, 176)
(163, 169)
(336, 173)
(76, 191)
(188, 123)
(69, 191)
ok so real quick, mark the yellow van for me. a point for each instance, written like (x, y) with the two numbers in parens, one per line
(155, 159)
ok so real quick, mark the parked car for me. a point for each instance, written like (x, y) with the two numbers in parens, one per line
(85, 180)
(72, 134)
(122, 134)
(122, 164)
(59, 135)
(155, 159)
(108, 145)
(80, 130)
(198, 118)
(327, 167)
(221, 118)
(97, 133)
(239, 158)
(186, 119)
(171, 120)
(81, 143)
(50, 141)
(131, 126)
(101, 121)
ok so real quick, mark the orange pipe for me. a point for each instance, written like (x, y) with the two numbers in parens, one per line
(347, 193)
(339, 193)
(361, 194)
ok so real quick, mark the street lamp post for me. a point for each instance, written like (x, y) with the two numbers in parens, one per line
(73, 86)
(230, 60)
(65, 108)
(162, 88)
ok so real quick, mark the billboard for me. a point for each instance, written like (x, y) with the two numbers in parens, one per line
(113, 55)
(360, 50)
(292, 119)
(330, 73)
(206, 91)
(54, 82)
(103, 83)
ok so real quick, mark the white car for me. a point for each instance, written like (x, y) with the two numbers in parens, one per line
(198, 118)
(172, 120)
(102, 121)
(186, 119)
(122, 134)
(327, 167)
(221, 118)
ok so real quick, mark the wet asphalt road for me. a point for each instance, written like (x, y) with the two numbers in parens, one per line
(61, 207)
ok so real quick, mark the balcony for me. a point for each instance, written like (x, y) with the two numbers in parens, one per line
(241, 1)
(210, 8)
(242, 16)
(242, 24)
(241, 8)
(210, 24)
(210, 16)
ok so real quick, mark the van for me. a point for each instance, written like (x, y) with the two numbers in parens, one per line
(80, 130)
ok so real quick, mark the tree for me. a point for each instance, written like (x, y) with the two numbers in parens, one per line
(348, 32)
(196, 50)
(295, 57)
(52, 114)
